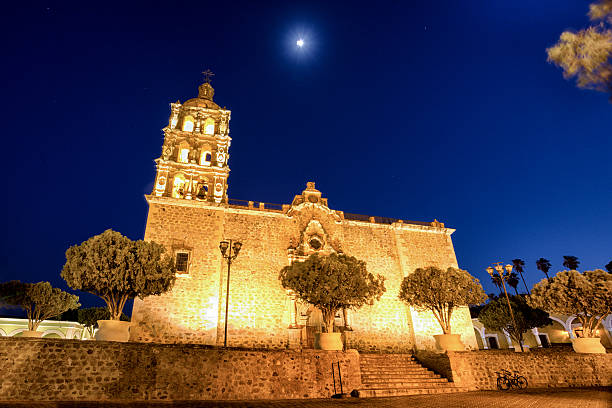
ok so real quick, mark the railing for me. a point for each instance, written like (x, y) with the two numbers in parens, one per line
(258, 205)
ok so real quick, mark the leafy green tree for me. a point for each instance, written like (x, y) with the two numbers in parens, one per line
(89, 317)
(40, 300)
(496, 316)
(331, 283)
(609, 267)
(587, 295)
(441, 292)
(571, 262)
(543, 265)
(513, 281)
(519, 266)
(586, 55)
(116, 269)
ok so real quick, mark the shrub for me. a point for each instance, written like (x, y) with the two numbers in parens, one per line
(441, 292)
(40, 300)
(116, 269)
(331, 283)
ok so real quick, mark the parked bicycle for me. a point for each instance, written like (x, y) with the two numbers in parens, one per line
(507, 380)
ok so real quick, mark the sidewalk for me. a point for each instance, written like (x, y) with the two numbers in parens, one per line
(542, 398)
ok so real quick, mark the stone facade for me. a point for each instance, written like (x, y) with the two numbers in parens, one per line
(49, 369)
(261, 312)
(541, 367)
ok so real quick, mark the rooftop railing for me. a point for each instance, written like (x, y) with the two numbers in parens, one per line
(258, 205)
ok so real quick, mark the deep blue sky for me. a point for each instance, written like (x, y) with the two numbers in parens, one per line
(413, 110)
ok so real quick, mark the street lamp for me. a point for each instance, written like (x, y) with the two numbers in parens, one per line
(504, 277)
(234, 249)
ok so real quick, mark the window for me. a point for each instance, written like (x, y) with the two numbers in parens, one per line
(182, 262)
(209, 126)
(178, 186)
(205, 158)
(188, 124)
(183, 153)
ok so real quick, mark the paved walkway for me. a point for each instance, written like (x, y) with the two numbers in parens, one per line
(556, 398)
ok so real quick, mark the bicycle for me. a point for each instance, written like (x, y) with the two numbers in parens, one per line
(507, 380)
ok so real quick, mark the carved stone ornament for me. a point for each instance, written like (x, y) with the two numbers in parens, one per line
(167, 152)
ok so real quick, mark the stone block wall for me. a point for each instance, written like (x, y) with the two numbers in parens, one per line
(259, 308)
(541, 367)
(41, 369)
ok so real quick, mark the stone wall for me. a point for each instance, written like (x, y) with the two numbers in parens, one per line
(541, 367)
(40, 369)
(260, 311)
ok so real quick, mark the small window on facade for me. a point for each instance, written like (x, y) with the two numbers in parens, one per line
(183, 156)
(209, 126)
(205, 158)
(188, 124)
(182, 262)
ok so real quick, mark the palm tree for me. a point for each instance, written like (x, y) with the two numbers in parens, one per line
(518, 266)
(543, 265)
(513, 281)
(609, 267)
(497, 281)
(571, 262)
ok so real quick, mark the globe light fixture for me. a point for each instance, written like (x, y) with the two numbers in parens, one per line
(300, 43)
(234, 249)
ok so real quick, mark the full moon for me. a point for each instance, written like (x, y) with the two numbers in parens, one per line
(300, 43)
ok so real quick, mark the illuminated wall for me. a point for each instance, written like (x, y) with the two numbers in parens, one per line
(189, 213)
(260, 310)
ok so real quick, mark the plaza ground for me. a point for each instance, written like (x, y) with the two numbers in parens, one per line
(536, 398)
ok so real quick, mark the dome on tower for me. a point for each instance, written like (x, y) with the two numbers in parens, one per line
(204, 99)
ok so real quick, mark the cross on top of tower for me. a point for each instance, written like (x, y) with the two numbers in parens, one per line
(208, 74)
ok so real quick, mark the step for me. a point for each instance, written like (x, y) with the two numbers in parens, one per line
(372, 379)
(394, 370)
(425, 374)
(391, 392)
(405, 384)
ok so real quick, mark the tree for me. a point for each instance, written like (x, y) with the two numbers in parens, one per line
(441, 292)
(609, 267)
(543, 265)
(571, 262)
(497, 281)
(586, 55)
(588, 295)
(331, 283)
(518, 266)
(116, 269)
(496, 316)
(513, 281)
(89, 317)
(40, 300)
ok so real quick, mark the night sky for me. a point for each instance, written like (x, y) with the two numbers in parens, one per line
(412, 110)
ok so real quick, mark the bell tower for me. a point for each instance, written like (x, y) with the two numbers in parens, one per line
(193, 163)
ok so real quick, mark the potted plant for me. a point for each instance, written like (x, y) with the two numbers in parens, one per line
(496, 316)
(331, 283)
(587, 295)
(440, 292)
(40, 300)
(116, 269)
(89, 317)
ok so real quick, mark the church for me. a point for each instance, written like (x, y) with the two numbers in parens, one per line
(190, 213)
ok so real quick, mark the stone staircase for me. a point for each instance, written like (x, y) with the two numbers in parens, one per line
(386, 375)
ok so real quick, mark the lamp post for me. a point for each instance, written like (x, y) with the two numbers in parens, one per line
(503, 277)
(234, 249)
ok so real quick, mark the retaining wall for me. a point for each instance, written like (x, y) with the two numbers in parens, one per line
(541, 367)
(43, 369)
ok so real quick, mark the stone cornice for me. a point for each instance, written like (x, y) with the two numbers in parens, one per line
(276, 213)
